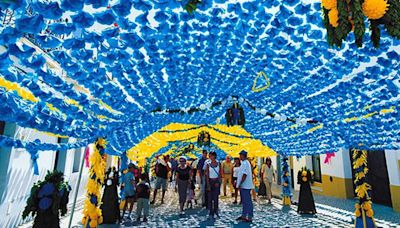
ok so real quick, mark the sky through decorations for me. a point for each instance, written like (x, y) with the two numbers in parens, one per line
(121, 60)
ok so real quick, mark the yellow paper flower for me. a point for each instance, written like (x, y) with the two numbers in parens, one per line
(304, 173)
(334, 17)
(93, 223)
(367, 205)
(357, 213)
(375, 9)
(370, 213)
(329, 4)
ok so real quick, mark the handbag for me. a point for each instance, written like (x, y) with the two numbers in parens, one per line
(217, 184)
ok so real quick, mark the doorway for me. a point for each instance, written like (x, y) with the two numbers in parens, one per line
(377, 177)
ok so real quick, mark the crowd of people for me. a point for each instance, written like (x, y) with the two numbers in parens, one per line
(196, 182)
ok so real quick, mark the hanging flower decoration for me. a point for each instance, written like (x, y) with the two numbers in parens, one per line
(204, 139)
(286, 193)
(92, 213)
(48, 200)
(375, 9)
(342, 17)
(191, 5)
(364, 213)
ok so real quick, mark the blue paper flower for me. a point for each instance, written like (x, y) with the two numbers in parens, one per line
(33, 24)
(93, 199)
(46, 190)
(45, 203)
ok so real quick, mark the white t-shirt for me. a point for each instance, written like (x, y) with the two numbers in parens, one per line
(208, 161)
(213, 171)
(245, 168)
(236, 171)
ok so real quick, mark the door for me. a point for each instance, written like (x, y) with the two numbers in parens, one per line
(377, 177)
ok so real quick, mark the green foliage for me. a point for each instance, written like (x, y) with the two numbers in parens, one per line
(358, 19)
(344, 27)
(375, 32)
(391, 20)
(353, 10)
(191, 6)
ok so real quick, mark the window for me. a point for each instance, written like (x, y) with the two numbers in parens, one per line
(77, 160)
(316, 167)
(2, 126)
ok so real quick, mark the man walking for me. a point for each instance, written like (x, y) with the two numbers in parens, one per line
(162, 169)
(245, 184)
(200, 171)
(227, 167)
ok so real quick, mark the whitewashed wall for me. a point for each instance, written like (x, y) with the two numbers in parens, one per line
(392, 162)
(19, 178)
(339, 166)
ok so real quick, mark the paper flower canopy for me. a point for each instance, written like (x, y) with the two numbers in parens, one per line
(90, 69)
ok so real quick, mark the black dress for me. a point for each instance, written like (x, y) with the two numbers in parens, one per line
(306, 199)
(110, 205)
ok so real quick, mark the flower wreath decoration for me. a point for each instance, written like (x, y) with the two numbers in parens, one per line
(48, 200)
(344, 16)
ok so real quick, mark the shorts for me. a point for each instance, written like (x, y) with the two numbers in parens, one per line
(161, 182)
(234, 182)
(130, 197)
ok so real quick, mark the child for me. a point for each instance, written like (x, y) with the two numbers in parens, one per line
(190, 197)
(143, 195)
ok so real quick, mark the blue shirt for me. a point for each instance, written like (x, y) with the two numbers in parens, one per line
(129, 188)
(174, 164)
(200, 165)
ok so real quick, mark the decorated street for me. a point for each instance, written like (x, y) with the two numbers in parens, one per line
(331, 212)
(292, 104)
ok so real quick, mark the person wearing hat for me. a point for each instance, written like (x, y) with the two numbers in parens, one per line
(182, 181)
(129, 189)
(245, 184)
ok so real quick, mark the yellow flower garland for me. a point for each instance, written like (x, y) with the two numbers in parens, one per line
(334, 17)
(329, 4)
(375, 9)
(365, 209)
(92, 213)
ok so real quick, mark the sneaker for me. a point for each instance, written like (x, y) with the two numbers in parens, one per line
(234, 202)
(240, 218)
(152, 202)
(144, 219)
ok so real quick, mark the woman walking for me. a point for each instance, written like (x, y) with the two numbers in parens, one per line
(182, 181)
(235, 172)
(213, 180)
(267, 174)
